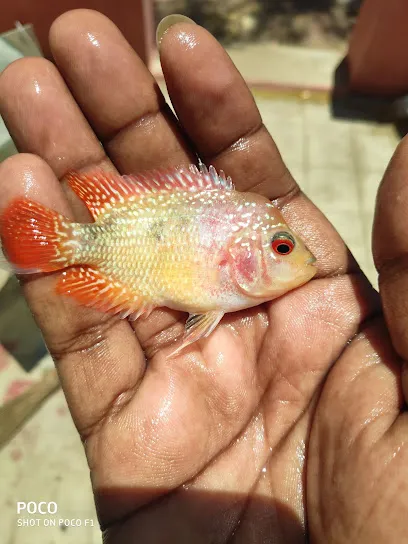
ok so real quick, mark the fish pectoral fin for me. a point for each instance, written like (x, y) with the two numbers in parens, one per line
(199, 326)
(91, 288)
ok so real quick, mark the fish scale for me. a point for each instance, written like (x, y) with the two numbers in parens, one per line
(148, 266)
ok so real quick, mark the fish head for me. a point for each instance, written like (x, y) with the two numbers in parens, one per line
(267, 258)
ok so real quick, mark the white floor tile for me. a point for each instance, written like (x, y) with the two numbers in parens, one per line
(328, 145)
(350, 227)
(333, 189)
(317, 113)
(368, 184)
(284, 120)
(373, 146)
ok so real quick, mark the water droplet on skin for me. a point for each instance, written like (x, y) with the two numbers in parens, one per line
(219, 360)
(29, 183)
(189, 40)
(37, 87)
(93, 40)
(241, 145)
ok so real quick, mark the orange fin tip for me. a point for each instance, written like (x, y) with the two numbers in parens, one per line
(91, 288)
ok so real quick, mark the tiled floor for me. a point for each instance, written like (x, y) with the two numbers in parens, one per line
(339, 165)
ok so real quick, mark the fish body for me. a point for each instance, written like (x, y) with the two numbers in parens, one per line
(181, 238)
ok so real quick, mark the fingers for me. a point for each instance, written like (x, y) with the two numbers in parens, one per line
(99, 360)
(218, 111)
(116, 92)
(122, 102)
(39, 112)
(390, 248)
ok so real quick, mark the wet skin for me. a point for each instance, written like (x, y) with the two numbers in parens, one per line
(289, 422)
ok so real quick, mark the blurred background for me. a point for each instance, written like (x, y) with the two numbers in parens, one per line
(312, 23)
(330, 80)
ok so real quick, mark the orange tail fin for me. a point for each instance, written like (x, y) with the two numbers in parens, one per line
(35, 238)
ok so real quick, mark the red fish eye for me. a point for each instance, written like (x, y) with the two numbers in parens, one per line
(282, 246)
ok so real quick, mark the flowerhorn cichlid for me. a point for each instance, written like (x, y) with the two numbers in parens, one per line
(183, 238)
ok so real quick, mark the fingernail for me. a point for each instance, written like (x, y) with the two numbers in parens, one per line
(169, 21)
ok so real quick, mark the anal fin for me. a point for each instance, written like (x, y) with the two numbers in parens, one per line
(91, 288)
(199, 326)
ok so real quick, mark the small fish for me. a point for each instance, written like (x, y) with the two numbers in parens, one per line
(182, 238)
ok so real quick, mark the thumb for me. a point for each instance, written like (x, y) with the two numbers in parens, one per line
(390, 250)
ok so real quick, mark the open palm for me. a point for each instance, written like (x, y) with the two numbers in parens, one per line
(287, 424)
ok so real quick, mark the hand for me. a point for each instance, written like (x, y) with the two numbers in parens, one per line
(289, 420)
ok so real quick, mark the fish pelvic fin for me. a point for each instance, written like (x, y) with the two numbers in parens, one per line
(35, 238)
(198, 326)
(91, 288)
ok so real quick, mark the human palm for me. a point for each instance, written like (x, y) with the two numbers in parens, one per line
(287, 424)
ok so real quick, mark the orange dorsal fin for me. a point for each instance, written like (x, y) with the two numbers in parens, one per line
(101, 190)
(91, 288)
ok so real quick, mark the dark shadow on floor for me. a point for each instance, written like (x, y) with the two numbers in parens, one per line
(350, 105)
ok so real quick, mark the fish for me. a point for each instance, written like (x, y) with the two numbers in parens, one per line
(182, 238)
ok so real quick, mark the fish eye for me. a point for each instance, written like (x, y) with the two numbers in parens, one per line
(283, 243)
